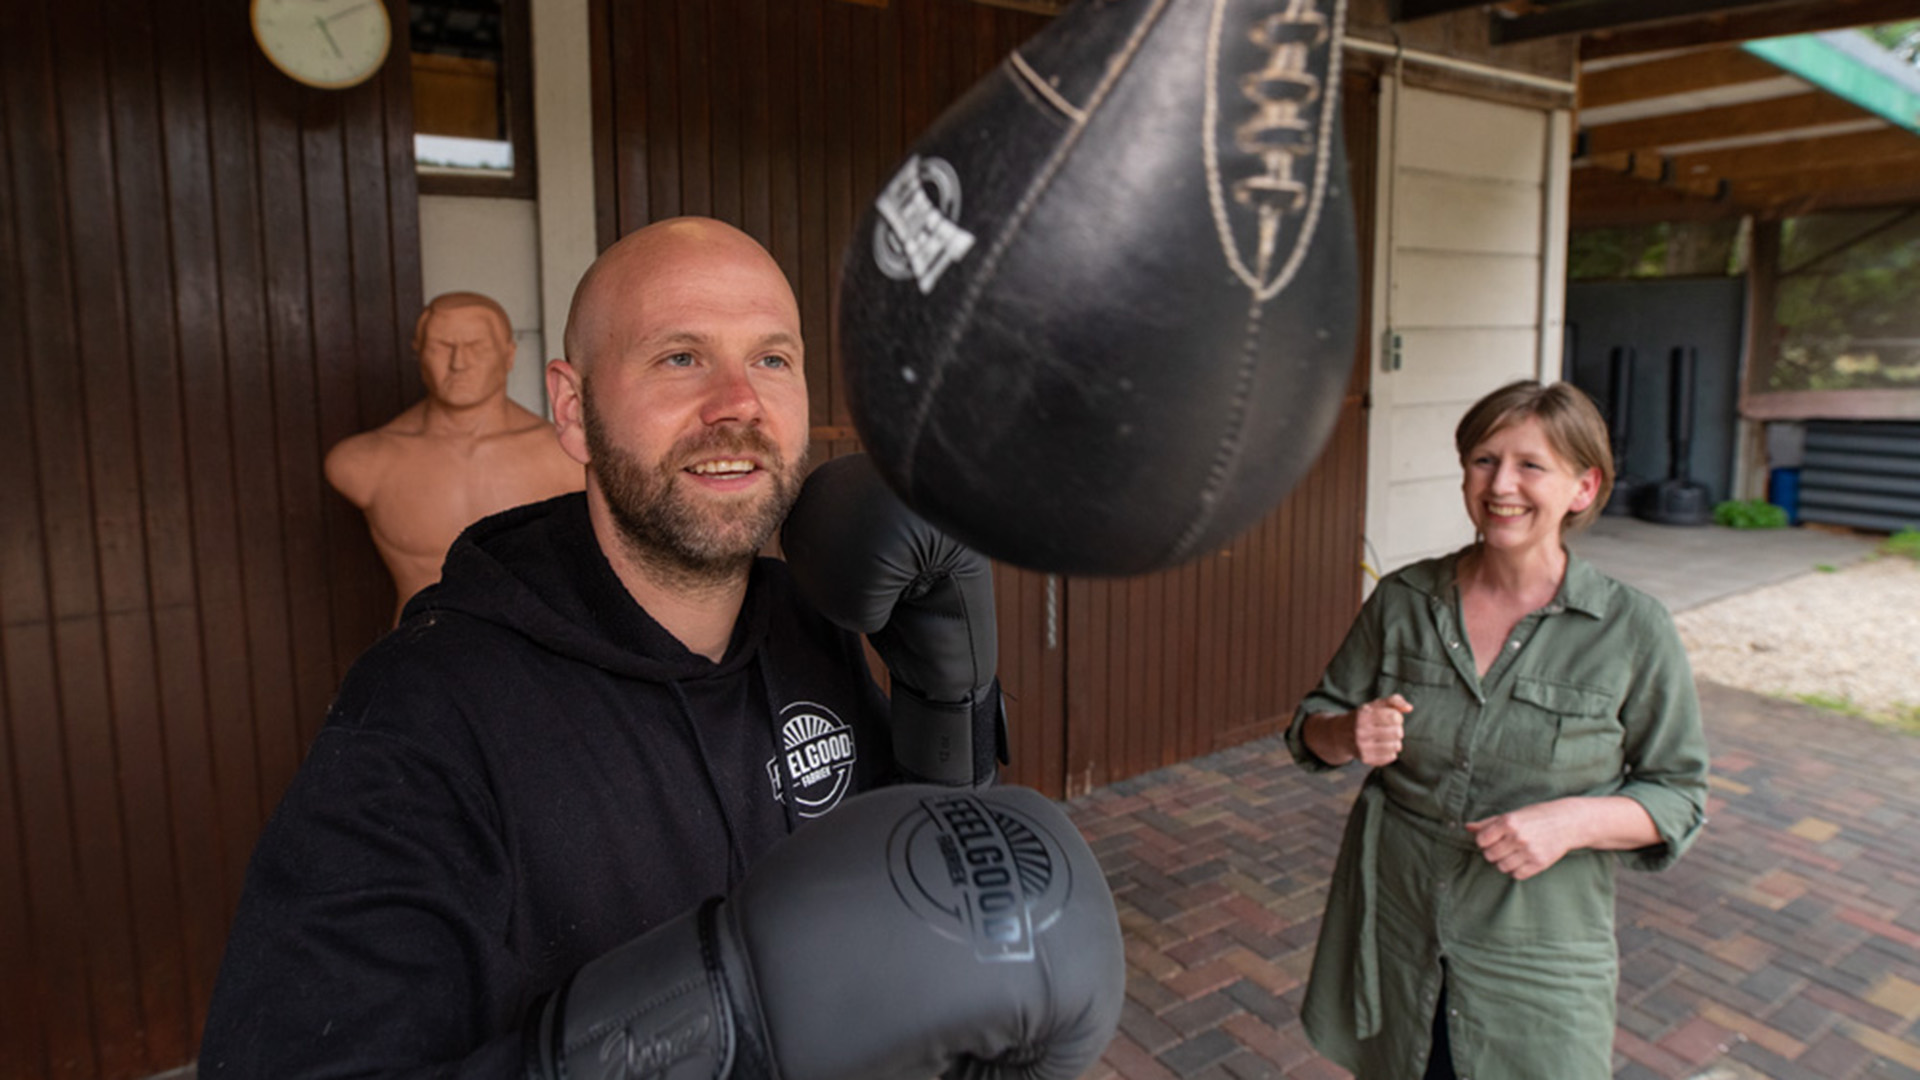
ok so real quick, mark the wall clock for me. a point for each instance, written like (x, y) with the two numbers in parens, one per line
(331, 44)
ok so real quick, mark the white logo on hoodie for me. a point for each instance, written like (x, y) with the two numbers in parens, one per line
(817, 750)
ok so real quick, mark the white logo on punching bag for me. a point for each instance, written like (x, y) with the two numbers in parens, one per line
(919, 235)
(817, 751)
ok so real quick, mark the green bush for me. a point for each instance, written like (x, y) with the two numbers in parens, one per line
(1905, 542)
(1749, 514)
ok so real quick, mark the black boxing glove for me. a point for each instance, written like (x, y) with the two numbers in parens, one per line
(925, 600)
(913, 932)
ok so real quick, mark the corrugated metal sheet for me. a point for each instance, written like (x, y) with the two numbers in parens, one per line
(1864, 474)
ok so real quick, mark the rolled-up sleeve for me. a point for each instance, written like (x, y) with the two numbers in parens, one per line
(1665, 747)
(1346, 684)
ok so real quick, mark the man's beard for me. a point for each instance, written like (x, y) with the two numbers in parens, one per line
(691, 540)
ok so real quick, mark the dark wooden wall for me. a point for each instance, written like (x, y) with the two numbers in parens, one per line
(785, 117)
(207, 276)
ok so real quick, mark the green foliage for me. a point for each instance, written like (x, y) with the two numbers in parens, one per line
(1831, 703)
(1661, 249)
(1845, 302)
(1905, 542)
(1749, 514)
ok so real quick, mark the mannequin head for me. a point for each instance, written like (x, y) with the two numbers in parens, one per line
(465, 344)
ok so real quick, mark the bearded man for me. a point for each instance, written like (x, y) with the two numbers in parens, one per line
(607, 709)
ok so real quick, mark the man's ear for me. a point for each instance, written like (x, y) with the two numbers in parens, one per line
(565, 387)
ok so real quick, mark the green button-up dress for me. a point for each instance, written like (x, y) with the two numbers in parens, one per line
(1591, 695)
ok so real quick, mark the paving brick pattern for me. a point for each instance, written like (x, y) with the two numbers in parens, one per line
(1786, 945)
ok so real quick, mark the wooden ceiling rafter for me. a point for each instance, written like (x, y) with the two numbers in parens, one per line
(1748, 119)
(1798, 17)
(1678, 122)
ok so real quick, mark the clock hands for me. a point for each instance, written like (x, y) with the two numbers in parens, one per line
(325, 31)
(328, 34)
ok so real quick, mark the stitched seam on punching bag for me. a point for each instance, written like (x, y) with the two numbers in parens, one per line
(1040, 86)
(1329, 92)
(1227, 453)
(990, 261)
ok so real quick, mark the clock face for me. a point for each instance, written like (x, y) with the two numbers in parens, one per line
(325, 43)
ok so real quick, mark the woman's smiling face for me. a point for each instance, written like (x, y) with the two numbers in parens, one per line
(1519, 490)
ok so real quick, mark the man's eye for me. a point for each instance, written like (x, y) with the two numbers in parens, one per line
(679, 360)
(776, 361)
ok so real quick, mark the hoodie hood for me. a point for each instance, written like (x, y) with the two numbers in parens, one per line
(539, 571)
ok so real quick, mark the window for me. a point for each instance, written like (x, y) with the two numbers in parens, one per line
(472, 97)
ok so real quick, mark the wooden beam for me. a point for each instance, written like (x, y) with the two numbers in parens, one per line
(1588, 16)
(1686, 73)
(1406, 10)
(1797, 17)
(1727, 121)
(1880, 184)
(1868, 149)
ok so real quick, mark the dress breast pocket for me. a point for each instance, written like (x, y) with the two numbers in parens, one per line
(1560, 726)
(1419, 681)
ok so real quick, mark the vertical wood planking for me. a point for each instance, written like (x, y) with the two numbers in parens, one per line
(164, 589)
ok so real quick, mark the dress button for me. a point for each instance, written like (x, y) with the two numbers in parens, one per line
(1513, 644)
(1453, 644)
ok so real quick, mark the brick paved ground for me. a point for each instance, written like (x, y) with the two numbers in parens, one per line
(1786, 944)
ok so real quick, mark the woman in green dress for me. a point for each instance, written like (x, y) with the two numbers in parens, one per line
(1529, 722)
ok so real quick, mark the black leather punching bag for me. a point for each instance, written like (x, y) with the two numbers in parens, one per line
(1102, 317)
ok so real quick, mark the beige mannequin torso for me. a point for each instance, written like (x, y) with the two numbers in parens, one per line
(424, 476)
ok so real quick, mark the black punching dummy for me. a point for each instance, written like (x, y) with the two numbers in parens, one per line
(913, 932)
(1102, 317)
(925, 601)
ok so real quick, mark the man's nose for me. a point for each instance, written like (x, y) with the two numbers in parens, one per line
(731, 396)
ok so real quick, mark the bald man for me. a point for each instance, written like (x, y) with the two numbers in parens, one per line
(464, 451)
(607, 709)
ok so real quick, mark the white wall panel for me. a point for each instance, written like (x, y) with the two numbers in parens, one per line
(1428, 519)
(1448, 212)
(1449, 133)
(1459, 365)
(1443, 288)
(1423, 442)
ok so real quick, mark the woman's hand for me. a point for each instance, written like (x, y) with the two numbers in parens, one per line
(1373, 732)
(1525, 842)
(1379, 728)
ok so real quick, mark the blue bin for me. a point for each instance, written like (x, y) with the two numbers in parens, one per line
(1783, 491)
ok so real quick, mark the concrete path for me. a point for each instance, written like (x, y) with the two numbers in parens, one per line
(1686, 566)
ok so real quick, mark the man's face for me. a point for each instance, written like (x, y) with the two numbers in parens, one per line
(462, 358)
(694, 411)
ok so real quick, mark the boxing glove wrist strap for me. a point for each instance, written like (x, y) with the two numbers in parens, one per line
(656, 1006)
(933, 740)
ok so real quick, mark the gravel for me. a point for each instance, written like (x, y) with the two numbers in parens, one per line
(1848, 639)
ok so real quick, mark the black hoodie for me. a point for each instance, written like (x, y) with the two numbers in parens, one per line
(527, 772)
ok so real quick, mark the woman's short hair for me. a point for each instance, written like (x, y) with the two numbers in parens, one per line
(1572, 423)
